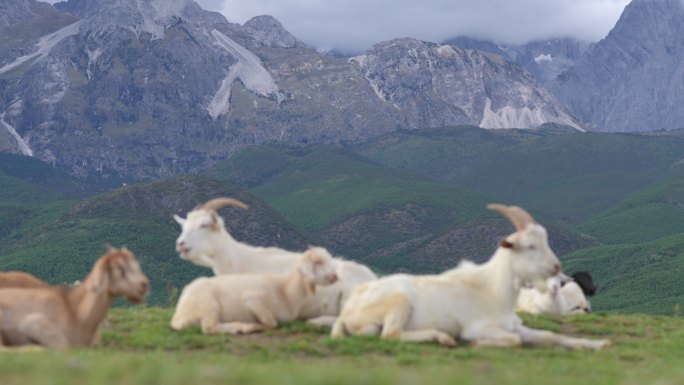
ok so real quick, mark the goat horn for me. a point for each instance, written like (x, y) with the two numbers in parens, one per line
(518, 216)
(218, 203)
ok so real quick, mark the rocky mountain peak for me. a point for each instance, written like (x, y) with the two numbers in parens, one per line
(151, 16)
(139, 89)
(631, 80)
(270, 32)
(433, 84)
(13, 12)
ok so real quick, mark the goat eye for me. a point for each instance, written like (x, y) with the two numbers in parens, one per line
(532, 247)
(204, 226)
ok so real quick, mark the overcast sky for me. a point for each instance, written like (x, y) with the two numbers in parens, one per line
(355, 25)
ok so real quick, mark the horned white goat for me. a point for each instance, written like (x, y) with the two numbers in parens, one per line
(205, 241)
(248, 303)
(60, 316)
(563, 296)
(471, 302)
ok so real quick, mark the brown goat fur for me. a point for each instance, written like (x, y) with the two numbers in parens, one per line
(61, 317)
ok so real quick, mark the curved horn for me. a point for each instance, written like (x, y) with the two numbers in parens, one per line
(518, 216)
(218, 203)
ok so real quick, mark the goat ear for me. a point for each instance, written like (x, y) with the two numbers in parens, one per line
(506, 244)
(307, 269)
(178, 219)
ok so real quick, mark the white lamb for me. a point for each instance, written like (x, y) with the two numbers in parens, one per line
(205, 241)
(562, 297)
(471, 302)
(248, 303)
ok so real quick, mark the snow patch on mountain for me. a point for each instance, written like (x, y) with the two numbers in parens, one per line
(361, 60)
(446, 50)
(511, 117)
(248, 69)
(543, 58)
(21, 142)
(44, 46)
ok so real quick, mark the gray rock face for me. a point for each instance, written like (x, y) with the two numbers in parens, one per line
(435, 85)
(633, 80)
(142, 89)
(13, 12)
(269, 32)
(543, 59)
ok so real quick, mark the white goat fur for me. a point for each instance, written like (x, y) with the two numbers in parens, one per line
(471, 302)
(248, 303)
(558, 299)
(205, 241)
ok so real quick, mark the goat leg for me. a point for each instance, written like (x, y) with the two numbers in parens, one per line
(237, 328)
(536, 337)
(323, 321)
(492, 337)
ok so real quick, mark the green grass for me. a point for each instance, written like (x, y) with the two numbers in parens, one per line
(641, 277)
(574, 175)
(139, 348)
(317, 186)
(654, 212)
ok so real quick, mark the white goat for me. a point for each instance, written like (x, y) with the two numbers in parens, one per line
(562, 297)
(205, 241)
(471, 302)
(248, 303)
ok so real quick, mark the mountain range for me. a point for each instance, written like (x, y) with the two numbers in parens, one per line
(137, 90)
(630, 81)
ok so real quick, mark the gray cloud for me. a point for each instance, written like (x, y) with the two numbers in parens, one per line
(355, 25)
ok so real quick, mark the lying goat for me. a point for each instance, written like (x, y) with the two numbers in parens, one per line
(248, 303)
(563, 296)
(205, 241)
(471, 302)
(61, 317)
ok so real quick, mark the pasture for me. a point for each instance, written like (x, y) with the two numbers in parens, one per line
(138, 347)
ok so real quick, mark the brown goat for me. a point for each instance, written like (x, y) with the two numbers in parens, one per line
(19, 279)
(61, 317)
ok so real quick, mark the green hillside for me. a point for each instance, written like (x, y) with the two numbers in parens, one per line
(654, 212)
(50, 181)
(389, 219)
(31, 193)
(570, 176)
(64, 248)
(409, 201)
(644, 277)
